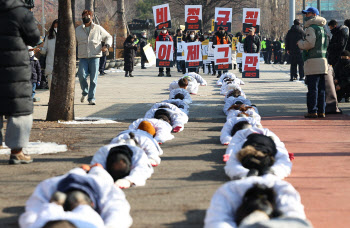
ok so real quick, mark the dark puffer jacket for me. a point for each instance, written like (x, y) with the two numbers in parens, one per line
(129, 54)
(337, 44)
(295, 34)
(18, 30)
(252, 44)
(36, 69)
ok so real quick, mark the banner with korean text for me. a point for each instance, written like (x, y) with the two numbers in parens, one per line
(162, 17)
(193, 55)
(193, 17)
(223, 18)
(251, 18)
(165, 54)
(250, 66)
(222, 56)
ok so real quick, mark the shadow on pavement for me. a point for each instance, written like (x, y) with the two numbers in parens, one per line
(194, 219)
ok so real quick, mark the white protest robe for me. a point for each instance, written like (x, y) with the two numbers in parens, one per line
(281, 168)
(194, 81)
(231, 76)
(227, 88)
(251, 112)
(115, 209)
(184, 92)
(83, 216)
(163, 129)
(180, 104)
(227, 199)
(225, 136)
(144, 140)
(232, 100)
(178, 117)
(141, 168)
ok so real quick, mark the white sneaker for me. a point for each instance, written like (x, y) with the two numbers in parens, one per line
(92, 102)
(83, 99)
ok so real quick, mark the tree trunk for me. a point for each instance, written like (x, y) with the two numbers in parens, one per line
(89, 5)
(61, 103)
(121, 23)
(73, 12)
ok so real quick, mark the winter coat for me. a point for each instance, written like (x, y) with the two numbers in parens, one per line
(276, 46)
(163, 129)
(342, 73)
(143, 43)
(141, 168)
(129, 55)
(268, 45)
(19, 30)
(295, 34)
(337, 44)
(218, 38)
(315, 65)
(281, 168)
(114, 208)
(49, 50)
(90, 45)
(36, 69)
(228, 198)
(162, 37)
(252, 44)
(145, 141)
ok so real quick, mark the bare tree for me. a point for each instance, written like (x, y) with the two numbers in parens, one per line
(61, 103)
(121, 23)
(89, 5)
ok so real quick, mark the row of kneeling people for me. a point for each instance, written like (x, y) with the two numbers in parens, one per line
(91, 195)
(256, 162)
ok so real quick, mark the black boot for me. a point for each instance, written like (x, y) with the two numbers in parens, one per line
(130, 74)
(126, 74)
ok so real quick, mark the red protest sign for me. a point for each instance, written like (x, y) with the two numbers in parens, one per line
(193, 54)
(162, 16)
(250, 65)
(164, 54)
(193, 17)
(223, 18)
(251, 18)
(222, 57)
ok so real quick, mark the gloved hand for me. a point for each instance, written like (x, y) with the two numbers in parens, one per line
(123, 183)
(226, 157)
(176, 129)
(153, 162)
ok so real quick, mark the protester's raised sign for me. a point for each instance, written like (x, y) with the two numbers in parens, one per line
(193, 54)
(162, 17)
(222, 56)
(223, 18)
(165, 54)
(193, 17)
(250, 65)
(251, 18)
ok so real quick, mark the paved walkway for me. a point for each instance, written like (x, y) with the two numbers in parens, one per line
(180, 190)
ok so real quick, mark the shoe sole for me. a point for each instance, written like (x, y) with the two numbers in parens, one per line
(18, 162)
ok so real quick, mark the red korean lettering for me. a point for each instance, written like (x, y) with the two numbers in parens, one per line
(226, 50)
(162, 14)
(164, 52)
(193, 52)
(252, 17)
(250, 60)
(225, 19)
(193, 15)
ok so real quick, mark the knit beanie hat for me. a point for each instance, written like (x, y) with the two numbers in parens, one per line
(147, 126)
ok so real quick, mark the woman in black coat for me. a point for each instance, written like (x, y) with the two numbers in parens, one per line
(130, 48)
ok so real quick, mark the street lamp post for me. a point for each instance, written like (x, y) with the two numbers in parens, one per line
(291, 12)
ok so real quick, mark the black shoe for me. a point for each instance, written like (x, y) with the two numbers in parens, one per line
(218, 76)
(292, 79)
(126, 75)
(104, 73)
(143, 68)
(347, 99)
(161, 74)
(168, 74)
(301, 79)
(130, 75)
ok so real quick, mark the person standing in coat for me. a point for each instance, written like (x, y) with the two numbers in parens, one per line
(143, 43)
(316, 66)
(252, 42)
(163, 36)
(103, 60)
(295, 34)
(221, 37)
(49, 50)
(36, 72)
(130, 49)
(347, 24)
(338, 42)
(89, 38)
(276, 51)
(15, 69)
